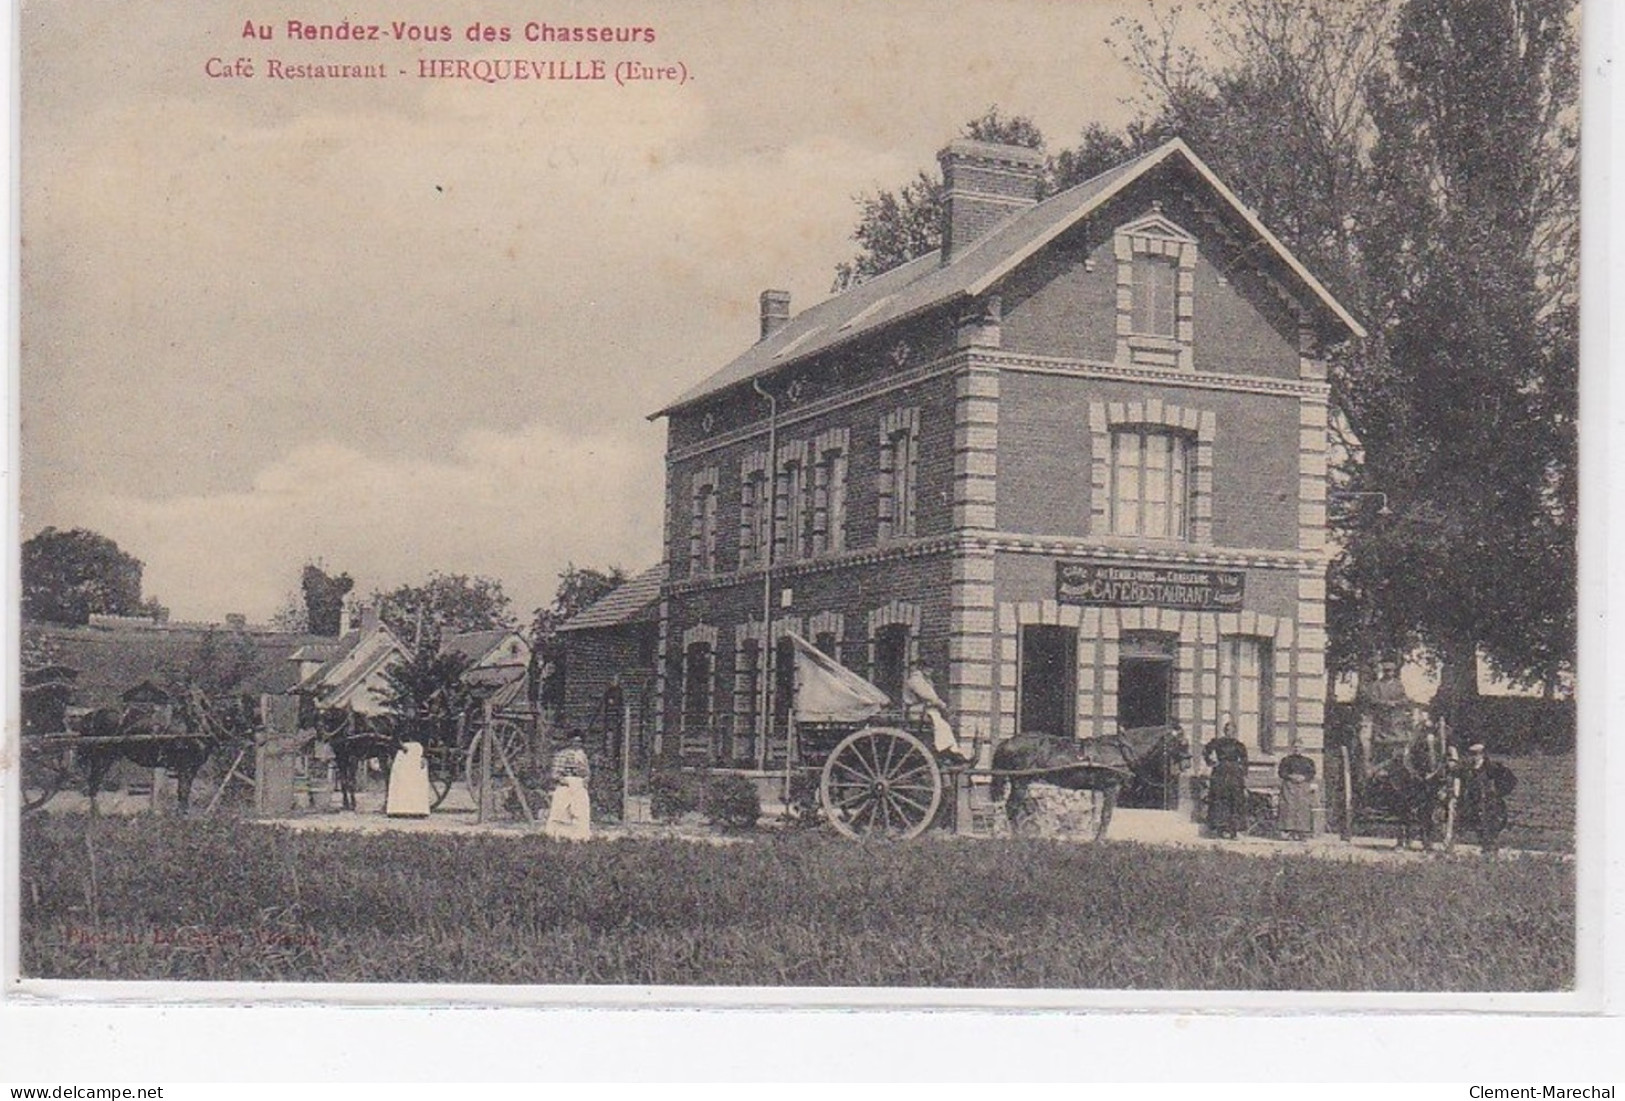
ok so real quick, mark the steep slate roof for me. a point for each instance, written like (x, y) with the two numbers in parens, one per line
(925, 282)
(630, 602)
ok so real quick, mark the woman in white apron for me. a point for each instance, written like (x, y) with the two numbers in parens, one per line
(408, 784)
(569, 817)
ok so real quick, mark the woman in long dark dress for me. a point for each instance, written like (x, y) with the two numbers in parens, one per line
(1297, 814)
(1227, 784)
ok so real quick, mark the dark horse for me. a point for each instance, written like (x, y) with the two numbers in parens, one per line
(1089, 764)
(1409, 788)
(177, 737)
(355, 738)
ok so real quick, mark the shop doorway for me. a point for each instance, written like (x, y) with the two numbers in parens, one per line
(1145, 697)
(1049, 669)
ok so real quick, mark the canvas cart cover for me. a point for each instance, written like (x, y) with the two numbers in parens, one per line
(828, 692)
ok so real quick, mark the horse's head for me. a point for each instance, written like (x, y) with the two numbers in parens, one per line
(1165, 745)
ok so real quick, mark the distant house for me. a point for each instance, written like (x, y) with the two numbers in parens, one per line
(352, 678)
(495, 658)
(609, 667)
(350, 672)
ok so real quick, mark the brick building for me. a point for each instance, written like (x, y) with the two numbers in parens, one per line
(1073, 463)
(608, 669)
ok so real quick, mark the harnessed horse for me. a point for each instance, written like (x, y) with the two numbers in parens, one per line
(355, 738)
(1410, 786)
(147, 735)
(1103, 764)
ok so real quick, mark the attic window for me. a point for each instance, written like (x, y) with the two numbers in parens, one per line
(1156, 272)
(798, 342)
(867, 312)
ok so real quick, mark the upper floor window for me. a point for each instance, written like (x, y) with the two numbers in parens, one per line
(899, 470)
(829, 492)
(793, 531)
(702, 542)
(1156, 283)
(755, 511)
(1150, 482)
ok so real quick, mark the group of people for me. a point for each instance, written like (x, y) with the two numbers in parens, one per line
(1227, 810)
(569, 813)
(1484, 785)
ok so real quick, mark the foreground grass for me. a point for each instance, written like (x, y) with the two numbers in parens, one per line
(147, 898)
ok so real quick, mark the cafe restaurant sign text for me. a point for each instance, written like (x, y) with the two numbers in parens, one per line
(1141, 585)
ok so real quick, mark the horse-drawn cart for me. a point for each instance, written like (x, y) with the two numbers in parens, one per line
(154, 731)
(883, 770)
(880, 779)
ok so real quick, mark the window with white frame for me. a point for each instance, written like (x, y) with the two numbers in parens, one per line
(1246, 681)
(1156, 270)
(1151, 482)
(899, 468)
(747, 698)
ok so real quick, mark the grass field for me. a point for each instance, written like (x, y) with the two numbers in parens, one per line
(153, 898)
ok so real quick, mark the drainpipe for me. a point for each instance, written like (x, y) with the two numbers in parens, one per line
(770, 485)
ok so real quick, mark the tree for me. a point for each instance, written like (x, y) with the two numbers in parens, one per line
(1292, 77)
(324, 598)
(1471, 430)
(1422, 156)
(445, 604)
(221, 664)
(426, 690)
(895, 227)
(69, 575)
(579, 588)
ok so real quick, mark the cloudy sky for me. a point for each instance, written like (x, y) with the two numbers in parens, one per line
(412, 325)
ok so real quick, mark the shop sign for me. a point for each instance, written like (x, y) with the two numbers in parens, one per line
(1122, 584)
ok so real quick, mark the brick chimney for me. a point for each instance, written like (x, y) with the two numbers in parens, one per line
(775, 312)
(983, 184)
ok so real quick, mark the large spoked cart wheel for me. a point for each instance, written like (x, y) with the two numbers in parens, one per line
(47, 768)
(880, 782)
(514, 790)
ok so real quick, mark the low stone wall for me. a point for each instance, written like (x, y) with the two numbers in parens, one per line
(1050, 811)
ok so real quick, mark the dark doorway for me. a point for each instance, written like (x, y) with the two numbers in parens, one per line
(1049, 669)
(891, 659)
(784, 692)
(1145, 683)
(1144, 688)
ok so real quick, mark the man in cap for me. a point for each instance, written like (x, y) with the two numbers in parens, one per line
(1485, 786)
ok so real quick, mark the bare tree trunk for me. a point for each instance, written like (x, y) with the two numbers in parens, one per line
(1458, 683)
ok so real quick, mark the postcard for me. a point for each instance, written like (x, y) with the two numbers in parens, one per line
(998, 505)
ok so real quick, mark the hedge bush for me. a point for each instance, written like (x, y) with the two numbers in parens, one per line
(732, 801)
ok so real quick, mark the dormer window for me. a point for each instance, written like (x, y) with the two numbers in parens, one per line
(1156, 278)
